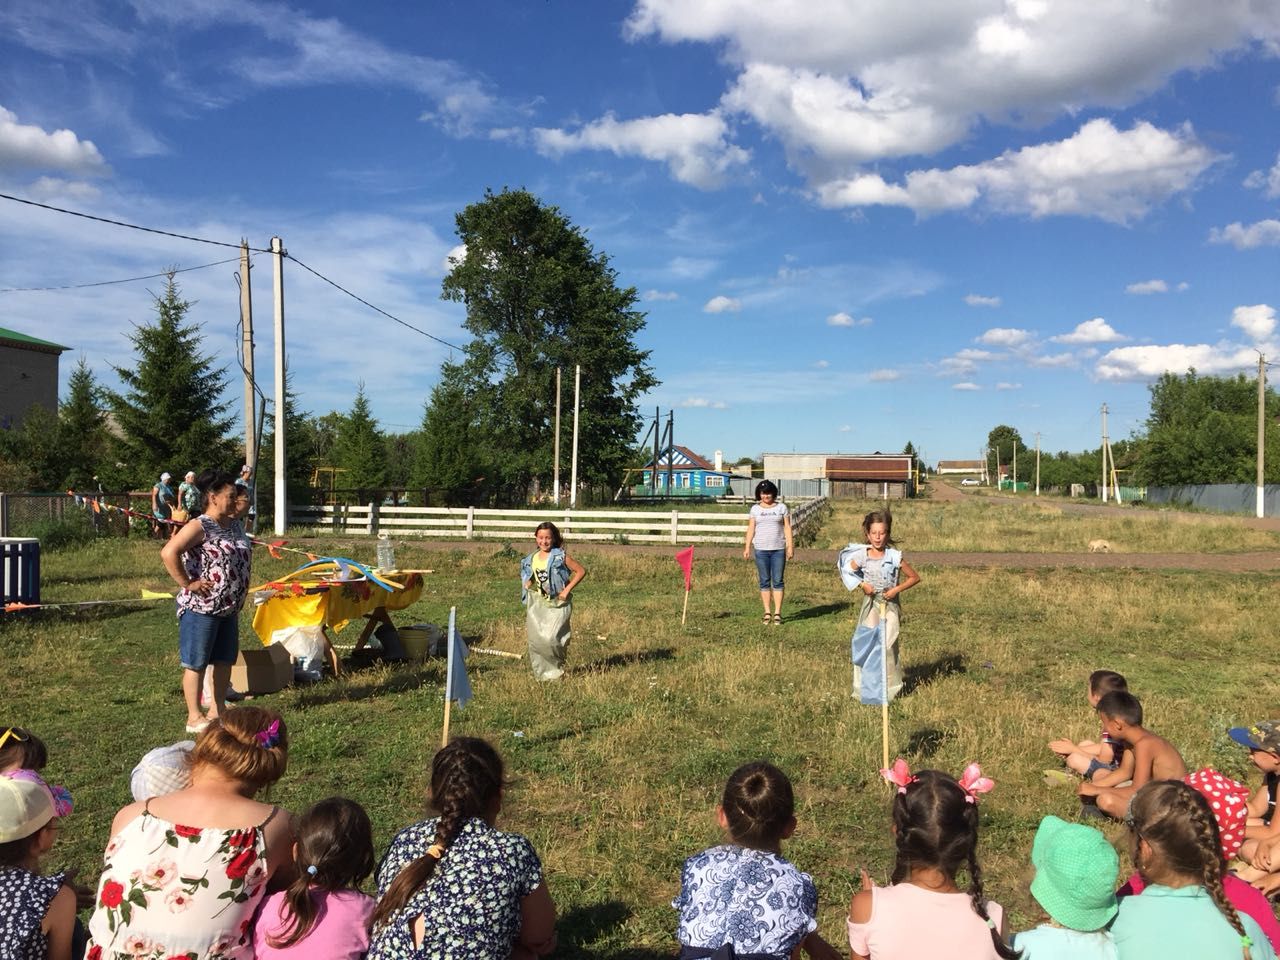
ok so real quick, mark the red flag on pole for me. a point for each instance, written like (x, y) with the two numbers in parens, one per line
(685, 559)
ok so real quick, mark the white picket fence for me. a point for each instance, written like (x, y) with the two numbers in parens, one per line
(472, 523)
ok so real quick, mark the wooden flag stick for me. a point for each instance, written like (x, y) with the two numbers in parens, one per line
(884, 707)
(444, 736)
(684, 613)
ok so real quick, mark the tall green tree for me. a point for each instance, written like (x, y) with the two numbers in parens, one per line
(359, 447)
(1205, 430)
(171, 413)
(82, 430)
(32, 455)
(298, 442)
(1001, 443)
(538, 297)
(453, 458)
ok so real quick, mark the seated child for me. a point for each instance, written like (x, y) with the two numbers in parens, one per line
(1184, 910)
(924, 913)
(743, 893)
(1263, 742)
(1087, 758)
(1228, 800)
(20, 749)
(1075, 876)
(1154, 758)
(37, 913)
(322, 913)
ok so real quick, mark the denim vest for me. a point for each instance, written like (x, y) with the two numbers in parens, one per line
(557, 573)
(890, 564)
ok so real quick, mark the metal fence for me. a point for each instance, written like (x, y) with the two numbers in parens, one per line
(1220, 497)
(32, 514)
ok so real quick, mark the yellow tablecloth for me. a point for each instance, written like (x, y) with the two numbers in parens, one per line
(336, 605)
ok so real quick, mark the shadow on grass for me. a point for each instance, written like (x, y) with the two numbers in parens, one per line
(625, 660)
(396, 682)
(926, 741)
(52, 613)
(918, 674)
(826, 609)
(581, 926)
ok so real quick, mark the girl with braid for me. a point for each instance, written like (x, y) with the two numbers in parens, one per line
(924, 913)
(1184, 910)
(455, 888)
(742, 898)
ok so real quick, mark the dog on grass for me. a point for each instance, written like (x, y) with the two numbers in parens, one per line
(1099, 546)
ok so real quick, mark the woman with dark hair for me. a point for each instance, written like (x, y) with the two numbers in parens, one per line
(209, 560)
(769, 534)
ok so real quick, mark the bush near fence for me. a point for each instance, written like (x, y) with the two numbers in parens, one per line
(474, 523)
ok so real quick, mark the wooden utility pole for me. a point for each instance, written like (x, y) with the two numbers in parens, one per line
(556, 444)
(1037, 463)
(1106, 447)
(277, 256)
(246, 353)
(573, 470)
(1262, 432)
(1015, 466)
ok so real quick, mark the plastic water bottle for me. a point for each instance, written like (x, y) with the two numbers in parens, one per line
(386, 553)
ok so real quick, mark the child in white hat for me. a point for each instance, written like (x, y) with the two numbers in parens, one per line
(37, 913)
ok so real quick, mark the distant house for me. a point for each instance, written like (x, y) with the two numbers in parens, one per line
(965, 467)
(28, 376)
(690, 476)
(870, 475)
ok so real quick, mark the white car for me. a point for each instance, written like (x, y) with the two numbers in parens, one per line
(969, 482)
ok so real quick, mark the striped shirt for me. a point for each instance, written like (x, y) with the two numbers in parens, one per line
(769, 534)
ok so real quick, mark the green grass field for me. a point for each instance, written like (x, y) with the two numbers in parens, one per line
(617, 769)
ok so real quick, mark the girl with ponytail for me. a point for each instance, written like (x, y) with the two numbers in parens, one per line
(924, 913)
(454, 885)
(322, 915)
(1184, 910)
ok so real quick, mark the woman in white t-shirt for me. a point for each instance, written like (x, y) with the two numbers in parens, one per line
(769, 532)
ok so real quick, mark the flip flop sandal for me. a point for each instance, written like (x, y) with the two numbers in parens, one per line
(777, 619)
(767, 620)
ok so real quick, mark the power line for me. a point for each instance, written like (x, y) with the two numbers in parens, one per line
(131, 226)
(429, 336)
(107, 283)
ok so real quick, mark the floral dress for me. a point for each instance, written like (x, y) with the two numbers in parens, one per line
(171, 890)
(223, 559)
(755, 900)
(471, 903)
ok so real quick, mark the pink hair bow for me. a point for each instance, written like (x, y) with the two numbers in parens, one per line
(899, 775)
(972, 782)
(269, 737)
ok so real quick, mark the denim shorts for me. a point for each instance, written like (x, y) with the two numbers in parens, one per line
(1095, 765)
(204, 639)
(769, 565)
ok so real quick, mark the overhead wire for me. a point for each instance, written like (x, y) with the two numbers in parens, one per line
(107, 283)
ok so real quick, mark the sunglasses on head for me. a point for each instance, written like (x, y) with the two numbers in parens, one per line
(11, 733)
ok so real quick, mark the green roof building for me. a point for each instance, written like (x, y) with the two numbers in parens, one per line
(28, 375)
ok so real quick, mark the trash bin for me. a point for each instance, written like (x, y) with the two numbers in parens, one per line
(21, 569)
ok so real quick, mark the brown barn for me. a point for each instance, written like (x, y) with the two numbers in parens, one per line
(872, 476)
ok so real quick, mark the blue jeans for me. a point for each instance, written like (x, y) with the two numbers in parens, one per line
(769, 565)
(204, 639)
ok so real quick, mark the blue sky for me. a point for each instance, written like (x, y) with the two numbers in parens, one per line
(853, 223)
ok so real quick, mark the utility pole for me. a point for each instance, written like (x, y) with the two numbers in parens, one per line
(1015, 466)
(1262, 430)
(556, 445)
(573, 470)
(1106, 446)
(246, 353)
(1037, 463)
(277, 256)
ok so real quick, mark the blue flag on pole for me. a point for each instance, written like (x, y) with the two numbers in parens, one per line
(456, 685)
(867, 651)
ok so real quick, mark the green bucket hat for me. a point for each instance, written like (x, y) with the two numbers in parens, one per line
(1075, 874)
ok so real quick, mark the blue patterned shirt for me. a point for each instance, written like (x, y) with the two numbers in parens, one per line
(753, 899)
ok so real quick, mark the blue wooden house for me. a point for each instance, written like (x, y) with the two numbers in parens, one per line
(690, 476)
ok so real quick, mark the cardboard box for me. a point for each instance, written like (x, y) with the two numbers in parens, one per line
(262, 669)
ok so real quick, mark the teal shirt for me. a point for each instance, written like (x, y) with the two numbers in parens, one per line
(1169, 924)
(1048, 942)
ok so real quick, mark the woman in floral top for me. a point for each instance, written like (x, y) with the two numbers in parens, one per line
(184, 873)
(209, 560)
(456, 888)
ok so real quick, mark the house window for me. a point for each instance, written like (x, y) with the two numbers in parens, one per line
(713, 481)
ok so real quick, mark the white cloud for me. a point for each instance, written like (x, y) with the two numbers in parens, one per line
(884, 375)
(1183, 287)
(703, 403)
(1005, 385)
(1264, 233)
(1114, 175)
(454, 257)
(845, 428)
(691, 268)
(653, 296)
(695, 146)
(1005, 337)
(822, 364)
(964, 362)
(966, 385)
(1053, 360)
(1149, 362)
(1147, 286)
(28, 147)
(1258, 321)
(977, 300)
(843, 319)
(1096, 330)
(722, 304)
(1268, 181)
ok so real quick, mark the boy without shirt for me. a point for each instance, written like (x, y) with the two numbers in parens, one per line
(1104, 762)
(1154, 757)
